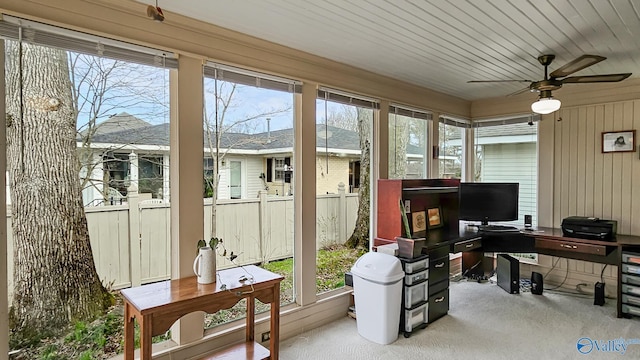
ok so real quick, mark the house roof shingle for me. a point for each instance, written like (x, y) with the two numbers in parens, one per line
(138, 134)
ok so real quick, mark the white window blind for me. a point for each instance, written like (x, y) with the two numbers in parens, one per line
(457, 122)
(32, 32)
(251, 78)
(511, 120)
(410, 112)
(348, 99)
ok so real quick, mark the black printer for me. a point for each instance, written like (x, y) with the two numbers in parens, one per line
(589, 228)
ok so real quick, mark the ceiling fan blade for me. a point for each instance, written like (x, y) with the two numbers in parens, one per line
(595, 78)
(519, 92)
(496, 81)
(576, 65)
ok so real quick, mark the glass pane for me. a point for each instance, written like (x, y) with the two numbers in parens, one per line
(508, 153)
(450, 157)
(342, 131)
(103, 114)
(235, 181)
(248, 181)
(407, 147)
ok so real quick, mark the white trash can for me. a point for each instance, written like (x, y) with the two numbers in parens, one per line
(377, 286)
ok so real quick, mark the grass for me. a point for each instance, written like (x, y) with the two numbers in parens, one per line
(104, 337)
(332, 263)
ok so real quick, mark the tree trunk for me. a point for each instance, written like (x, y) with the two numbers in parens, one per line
(360, 236)
(55, 280)
(398, 149)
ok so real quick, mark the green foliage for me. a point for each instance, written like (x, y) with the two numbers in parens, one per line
(50, 352)
(284, 268)
(213, 243)
(332, 264)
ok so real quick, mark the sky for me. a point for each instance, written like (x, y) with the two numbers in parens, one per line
(143, 91)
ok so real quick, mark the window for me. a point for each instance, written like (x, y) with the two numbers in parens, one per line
(151, 175)
(506, 151)
(343, 142)
(249, 138)
(407, 143)
(113, 101)
(451, 148)
(279, 169)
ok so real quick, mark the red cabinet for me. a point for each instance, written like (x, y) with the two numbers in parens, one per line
(434, 199)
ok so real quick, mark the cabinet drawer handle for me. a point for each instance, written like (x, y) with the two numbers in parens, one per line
(568, 246)
(439, 265)
(469, 245)
(440, 299)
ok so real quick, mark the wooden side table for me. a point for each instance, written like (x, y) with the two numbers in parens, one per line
(157, 306)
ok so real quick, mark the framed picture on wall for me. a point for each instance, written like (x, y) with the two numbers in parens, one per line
(419, 222)
(618, 141)
(434, 218)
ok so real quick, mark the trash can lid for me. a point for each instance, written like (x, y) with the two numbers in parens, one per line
(378, 267)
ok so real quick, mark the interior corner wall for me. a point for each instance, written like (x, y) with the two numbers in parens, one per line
(587, 182)
(575, 177)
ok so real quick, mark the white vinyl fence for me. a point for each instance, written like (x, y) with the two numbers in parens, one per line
(133, 247)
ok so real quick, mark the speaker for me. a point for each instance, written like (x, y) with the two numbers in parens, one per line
(508, 271)
(528, 221)
(536, 283)
(598, 294)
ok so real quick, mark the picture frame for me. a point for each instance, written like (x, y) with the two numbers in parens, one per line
(419, 222)
(618, 141)
(434, 218)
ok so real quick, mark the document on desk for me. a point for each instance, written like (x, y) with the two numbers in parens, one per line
(532, 231)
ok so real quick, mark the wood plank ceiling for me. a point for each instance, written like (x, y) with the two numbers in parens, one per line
(441, 44)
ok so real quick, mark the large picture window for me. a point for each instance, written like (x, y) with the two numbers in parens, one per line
(408, 143)
(451, 159)
(343, 177)
(95, 153)
(249, 138)
(506, 151)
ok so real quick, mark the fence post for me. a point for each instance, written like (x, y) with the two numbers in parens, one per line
(134, 235)
(263, 223)
(342, 214)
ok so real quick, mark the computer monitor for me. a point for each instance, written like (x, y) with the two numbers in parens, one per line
(487, 202)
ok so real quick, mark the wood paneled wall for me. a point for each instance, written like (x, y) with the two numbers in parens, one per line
(588, 182)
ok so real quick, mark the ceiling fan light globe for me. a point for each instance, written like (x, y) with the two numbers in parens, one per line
(545, 105)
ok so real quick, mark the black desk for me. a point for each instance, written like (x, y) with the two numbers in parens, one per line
(547, 241)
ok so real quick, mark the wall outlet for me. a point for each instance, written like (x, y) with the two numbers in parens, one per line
(266, 336)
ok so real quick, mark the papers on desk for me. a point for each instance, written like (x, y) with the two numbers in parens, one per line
(531, 231)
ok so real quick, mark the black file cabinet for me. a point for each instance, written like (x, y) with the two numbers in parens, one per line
(438, 282)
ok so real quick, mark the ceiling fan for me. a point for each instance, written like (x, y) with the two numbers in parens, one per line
(546, 104)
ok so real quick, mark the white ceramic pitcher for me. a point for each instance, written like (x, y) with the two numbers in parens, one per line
(204, 265)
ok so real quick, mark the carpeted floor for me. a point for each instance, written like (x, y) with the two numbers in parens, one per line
(485, 322)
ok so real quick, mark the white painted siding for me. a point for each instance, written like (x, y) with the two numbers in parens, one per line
(254, 166)
(251, 167)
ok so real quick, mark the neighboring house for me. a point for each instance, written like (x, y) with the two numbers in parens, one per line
(126, 150)
(508, 153)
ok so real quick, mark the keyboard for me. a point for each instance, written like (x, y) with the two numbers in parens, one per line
(497, 228)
